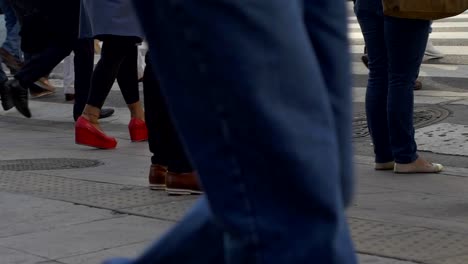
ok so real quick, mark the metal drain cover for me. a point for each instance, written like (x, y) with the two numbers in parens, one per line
(423, 116)
(47, 164)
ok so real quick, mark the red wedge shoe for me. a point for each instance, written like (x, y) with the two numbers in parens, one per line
(138, 130)
(87, 134)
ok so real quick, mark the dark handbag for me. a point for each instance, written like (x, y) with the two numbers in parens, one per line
(424, 9)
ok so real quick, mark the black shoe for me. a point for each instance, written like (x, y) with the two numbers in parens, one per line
(20, 97)
(106, 112)
(5, 95)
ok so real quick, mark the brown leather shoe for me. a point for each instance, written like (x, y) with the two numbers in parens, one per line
(417, 85)
(182, 183)
(13, 63)
(157, 177)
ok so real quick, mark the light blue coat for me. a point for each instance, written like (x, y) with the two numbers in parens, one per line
(108, 17)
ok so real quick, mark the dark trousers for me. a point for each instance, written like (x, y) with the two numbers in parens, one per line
(119, 60)
(163, 139)
(43, 63)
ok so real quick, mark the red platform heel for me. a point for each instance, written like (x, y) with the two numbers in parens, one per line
(138, 130)
(87, 134)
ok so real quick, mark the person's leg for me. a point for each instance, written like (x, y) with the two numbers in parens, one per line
(197, 228)
(127, 78)
(12, 41)
(69, 75)
(157, 131)
(253, 108)
(329, 39)
(405, 41)
(169, 159)
(39, 65)
(5, 95)
(164, 141)
(87, 129)
(84, 64)
(372, 26)
(104, 75)
(43, 63)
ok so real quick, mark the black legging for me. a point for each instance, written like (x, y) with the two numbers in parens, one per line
(163, 139)
(119, 59)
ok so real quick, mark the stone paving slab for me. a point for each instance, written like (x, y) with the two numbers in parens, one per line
(416, 204)
(444, 138)
(10, 256)
(452, 260)
(128, 199)
(363, 229)
(21, 214)
(131, 251)
(421, 246)
(173, 211)
(367, 259)
(88, 237)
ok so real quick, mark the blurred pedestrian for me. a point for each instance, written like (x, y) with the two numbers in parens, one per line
(260, 92)
(10, 51)
(115, 24)
(49, 33)
(69, 77)
(171, 169)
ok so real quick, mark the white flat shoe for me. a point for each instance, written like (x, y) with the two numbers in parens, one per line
(413, 168)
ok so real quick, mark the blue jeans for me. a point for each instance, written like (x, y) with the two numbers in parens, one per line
(395, 48)
(12, 42)
(260, 92)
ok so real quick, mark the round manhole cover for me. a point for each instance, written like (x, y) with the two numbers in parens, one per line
(423, 116)
(47, 164)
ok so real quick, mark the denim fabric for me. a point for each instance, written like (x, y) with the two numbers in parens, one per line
(13, 41)
(395, 48)
(260, 92)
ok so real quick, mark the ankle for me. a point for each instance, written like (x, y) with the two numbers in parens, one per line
(91, 117)
(136, 111)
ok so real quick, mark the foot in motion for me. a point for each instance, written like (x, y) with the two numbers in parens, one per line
(13, 63)
(137, 129)
(41, 88)
(5, 96)
(88, 134)
(19, 95)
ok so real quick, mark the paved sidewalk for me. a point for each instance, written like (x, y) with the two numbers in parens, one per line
(52, 211)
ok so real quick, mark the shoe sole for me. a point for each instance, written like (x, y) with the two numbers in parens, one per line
(437, 169)
(172, 191)
(42, 94)
(85, 141)
(93, 146)
(157, 187)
